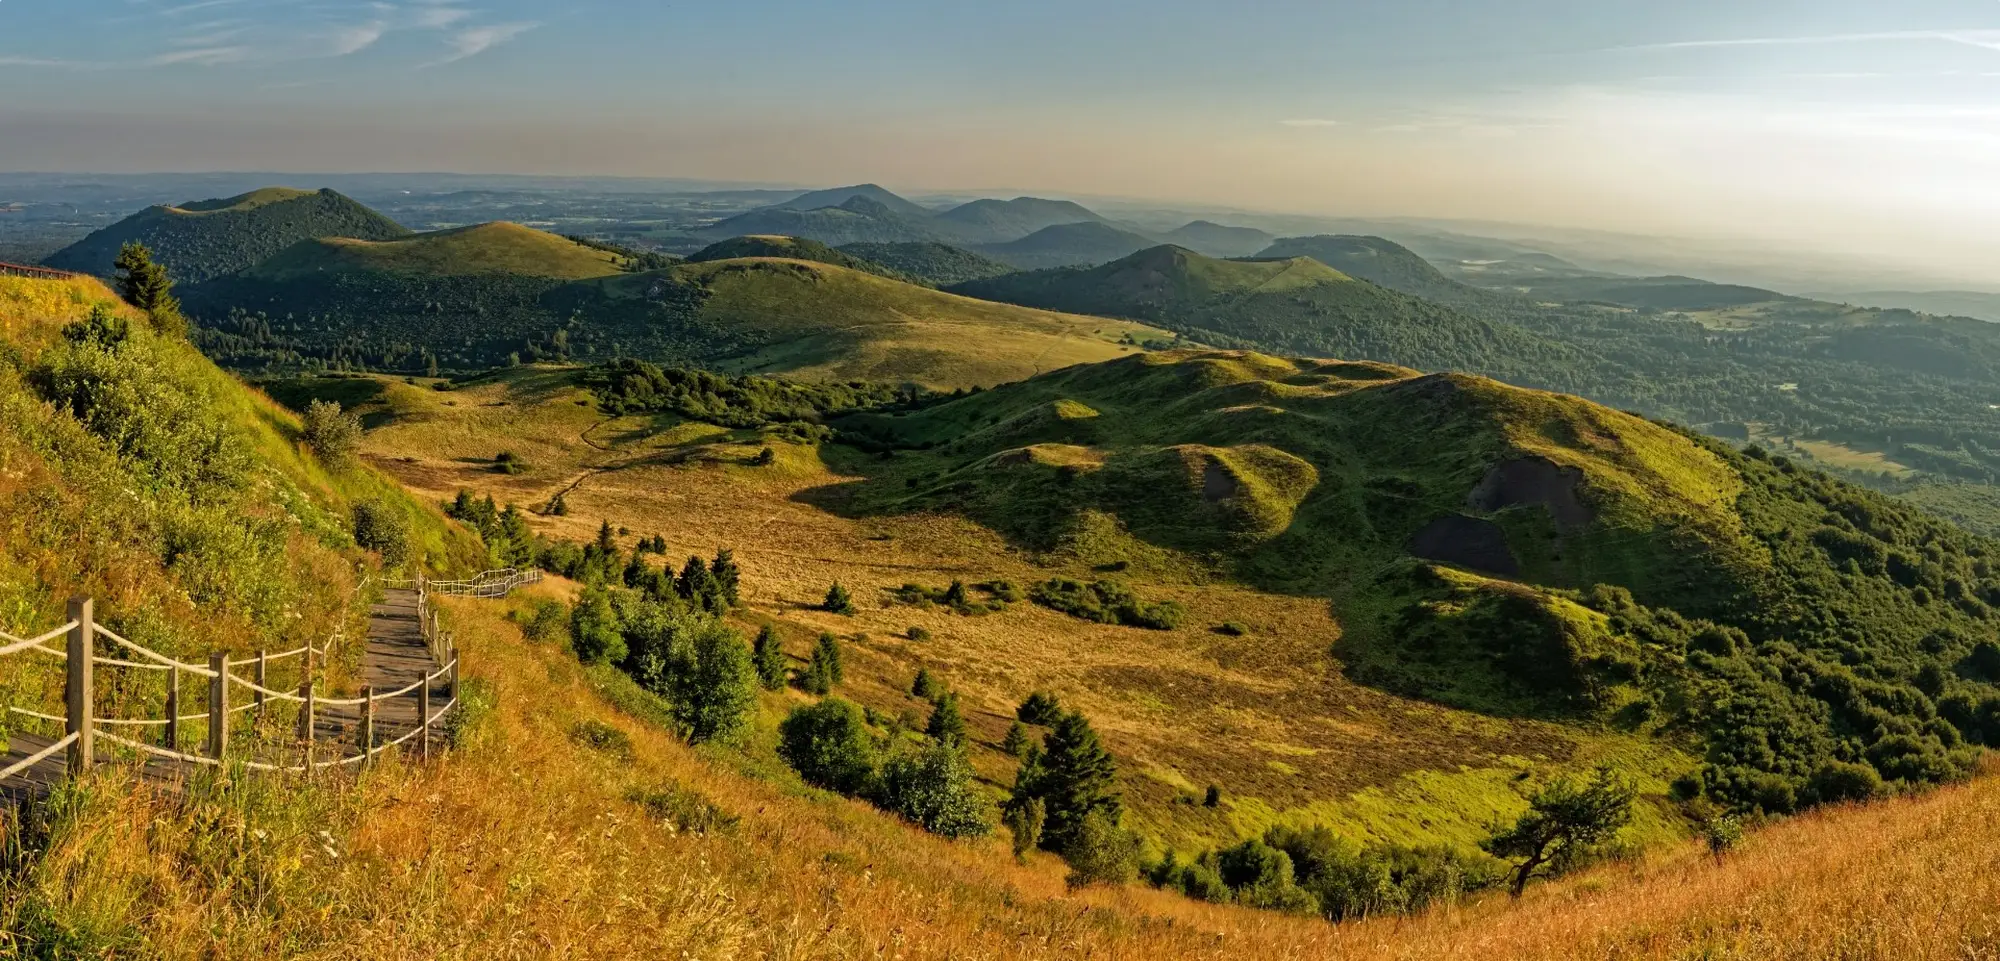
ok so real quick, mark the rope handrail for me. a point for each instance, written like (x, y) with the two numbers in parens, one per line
(161, 658)
(16, 645)
(294, 652)
(160, 751)
(38, 757)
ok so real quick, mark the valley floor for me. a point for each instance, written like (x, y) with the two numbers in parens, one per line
(1267, 716)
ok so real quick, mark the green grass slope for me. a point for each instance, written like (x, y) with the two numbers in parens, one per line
(823, 321)
(201, 241)
(1297, 305)
(134, 471)
(1509, 551)
(495, 248)
(938, 265)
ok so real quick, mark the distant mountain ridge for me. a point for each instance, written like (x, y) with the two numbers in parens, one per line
(203, 240)
(1068, 245)
(868, 213)
(1217, 240)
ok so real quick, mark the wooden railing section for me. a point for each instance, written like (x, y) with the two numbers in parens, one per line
(83, 727)
(39, 273)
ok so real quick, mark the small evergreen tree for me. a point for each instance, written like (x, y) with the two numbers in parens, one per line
(145, 285)
(824, 671)
(925, 686)
(1040, 708)
(727, 576)
(837, 600)
(769, 654)
(1213, 798)
(637, 574)
(955, 596)
(607, 539)
(594, 629)
(947, 725)
(828, 744)
(1017, 742)
(1074, 776)
(764, 458)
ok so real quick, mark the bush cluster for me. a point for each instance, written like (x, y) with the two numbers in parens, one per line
(1107, 602)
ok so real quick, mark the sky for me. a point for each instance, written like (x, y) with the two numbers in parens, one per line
(1864, 128)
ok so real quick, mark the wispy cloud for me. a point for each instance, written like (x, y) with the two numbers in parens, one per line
(201, 56)
(1985, 38)
(1310, 122)
(477, 40)
(346, 41)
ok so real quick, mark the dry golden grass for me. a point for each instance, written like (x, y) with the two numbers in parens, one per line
(522, 844)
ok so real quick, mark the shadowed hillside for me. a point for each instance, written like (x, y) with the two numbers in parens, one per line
(200, 241)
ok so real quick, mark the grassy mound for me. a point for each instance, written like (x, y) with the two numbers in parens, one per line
(789, 248)
(495, 248)
(212, 238)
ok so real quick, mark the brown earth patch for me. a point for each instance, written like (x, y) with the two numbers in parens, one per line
(1530, 482)
(1469, 542)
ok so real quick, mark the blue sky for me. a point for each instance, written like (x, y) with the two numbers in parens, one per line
(1835, 121)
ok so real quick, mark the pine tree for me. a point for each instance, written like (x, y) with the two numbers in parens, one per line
(947, 725)
(1017, 741)
(1074, 777)
(726, 574)
(636, 571)
(607, 539)
(823, 671)
(838, 601)
(770, 657)
(145, 285)
(925, 686)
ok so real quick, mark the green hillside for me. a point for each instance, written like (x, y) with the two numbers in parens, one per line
(1068, 245)
(1298, 305)
(1375, 260)
(790, 248)
(1218, 240)
(201, 241)
(1507, 551)
(187, 505)
(484, 249)
(821, 321)
(939, 265)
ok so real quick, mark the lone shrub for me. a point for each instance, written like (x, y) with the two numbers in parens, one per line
(602, 737)
(333, 434)
(1100, 852)
(1563, 820)
(828, 744)
(935, 790)
(383, 528)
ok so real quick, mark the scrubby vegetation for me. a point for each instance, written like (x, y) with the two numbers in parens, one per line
(637, 387)
(1106, 602)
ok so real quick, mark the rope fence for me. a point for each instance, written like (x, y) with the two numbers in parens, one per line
(82, 725)
(38, 273)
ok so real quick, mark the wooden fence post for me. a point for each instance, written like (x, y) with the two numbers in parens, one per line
(424, 720)
(218, 704)
(306, 718)
(451, 659)
(172, 741)
(261, 664)
(367, 723)
(80, 687)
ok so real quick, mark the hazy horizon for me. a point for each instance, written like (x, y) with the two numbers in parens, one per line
(1843, 129)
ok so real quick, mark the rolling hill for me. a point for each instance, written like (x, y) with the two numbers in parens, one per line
(789, 248)
(939, 265)
(1001, 221)
(1217, 240)
(873, 193)
(1496, 549)
(1298, 305)
(500, 293)
(858, 219)
(205, 240)
(1375, 260)
(1068, 245)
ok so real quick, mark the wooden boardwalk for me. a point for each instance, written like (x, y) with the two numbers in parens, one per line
(396, 657)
